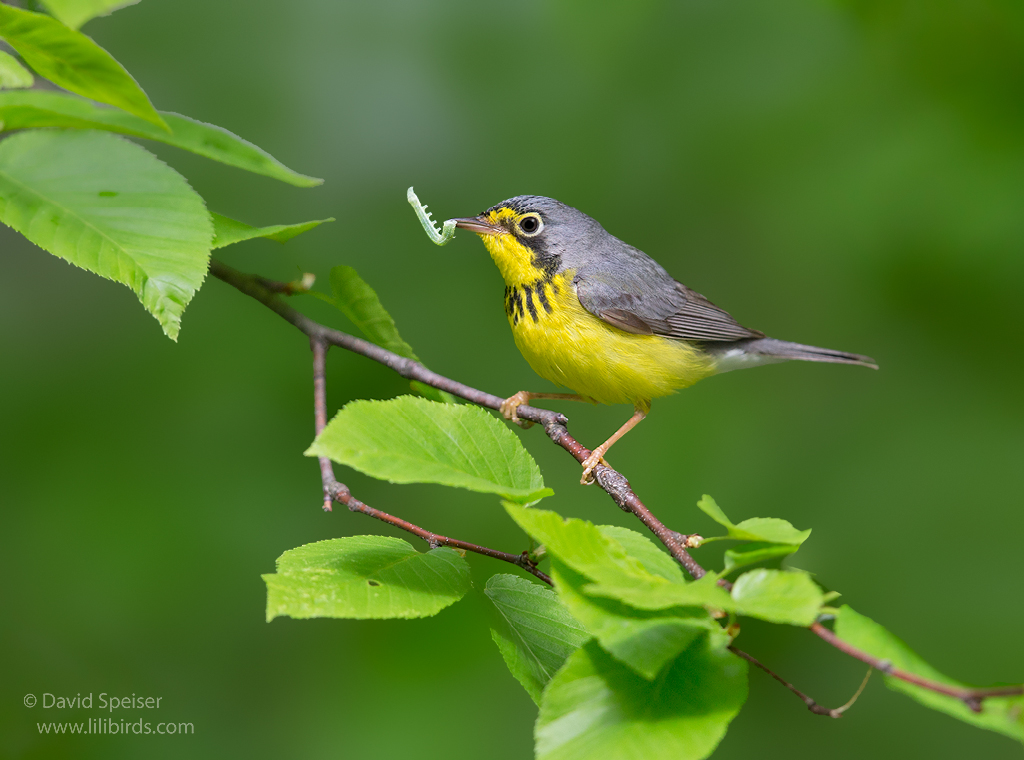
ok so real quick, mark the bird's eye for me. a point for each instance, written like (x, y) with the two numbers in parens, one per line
(531, 224)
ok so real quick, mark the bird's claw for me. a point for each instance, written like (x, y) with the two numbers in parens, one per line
(590, 464)
(511, 404)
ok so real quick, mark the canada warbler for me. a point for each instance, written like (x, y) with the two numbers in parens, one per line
(602, 318)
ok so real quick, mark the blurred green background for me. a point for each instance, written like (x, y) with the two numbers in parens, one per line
(848, 174)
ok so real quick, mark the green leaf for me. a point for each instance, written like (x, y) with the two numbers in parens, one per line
(71, 60)
(535, 633)
(751, 554)
(581, 545)
(365, 577)
(354, 298)
(589, 551)
(596, 709)
(106, 205)
(1005, 715)
(582, 552)
(643, 640)
(13, 75)
(227, 231)
(30, 109)
(74, 13)
(768, 529)
(647, 596)
(412, 440)
(778, 596)
(641, 548)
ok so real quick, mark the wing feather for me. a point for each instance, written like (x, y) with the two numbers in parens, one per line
(669, 309)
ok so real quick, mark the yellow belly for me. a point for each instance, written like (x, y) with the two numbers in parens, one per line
(571, 347)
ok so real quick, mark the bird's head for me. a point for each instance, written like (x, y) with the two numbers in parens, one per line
(528, 236)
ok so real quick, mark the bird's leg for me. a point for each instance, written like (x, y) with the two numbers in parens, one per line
(597, 455)
(512, 403)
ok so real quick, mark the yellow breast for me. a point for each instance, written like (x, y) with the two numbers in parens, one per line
(569, 346)
(566, 344)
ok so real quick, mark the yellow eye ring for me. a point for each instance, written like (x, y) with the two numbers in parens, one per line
(530, 224)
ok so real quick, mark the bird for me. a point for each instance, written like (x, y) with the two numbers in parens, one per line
(603, 319)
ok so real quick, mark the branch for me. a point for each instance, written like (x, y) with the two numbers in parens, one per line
(611, 481)
(554, 423)
(295, 287)
(970, 697)
(335, 491)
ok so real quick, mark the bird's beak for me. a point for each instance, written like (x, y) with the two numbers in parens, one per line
(478, 224)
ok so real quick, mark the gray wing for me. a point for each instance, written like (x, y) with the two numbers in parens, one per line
(642, 298)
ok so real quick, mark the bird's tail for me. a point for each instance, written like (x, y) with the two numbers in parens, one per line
(770, 348)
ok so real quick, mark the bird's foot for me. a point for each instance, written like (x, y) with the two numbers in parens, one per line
(590, 463)
(511, 404)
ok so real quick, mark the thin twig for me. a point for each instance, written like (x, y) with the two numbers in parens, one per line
(320, 414)
(342, 494)
(813, 706)
(614, 483)
(970, 697)
(856, 695)
(335, 491)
